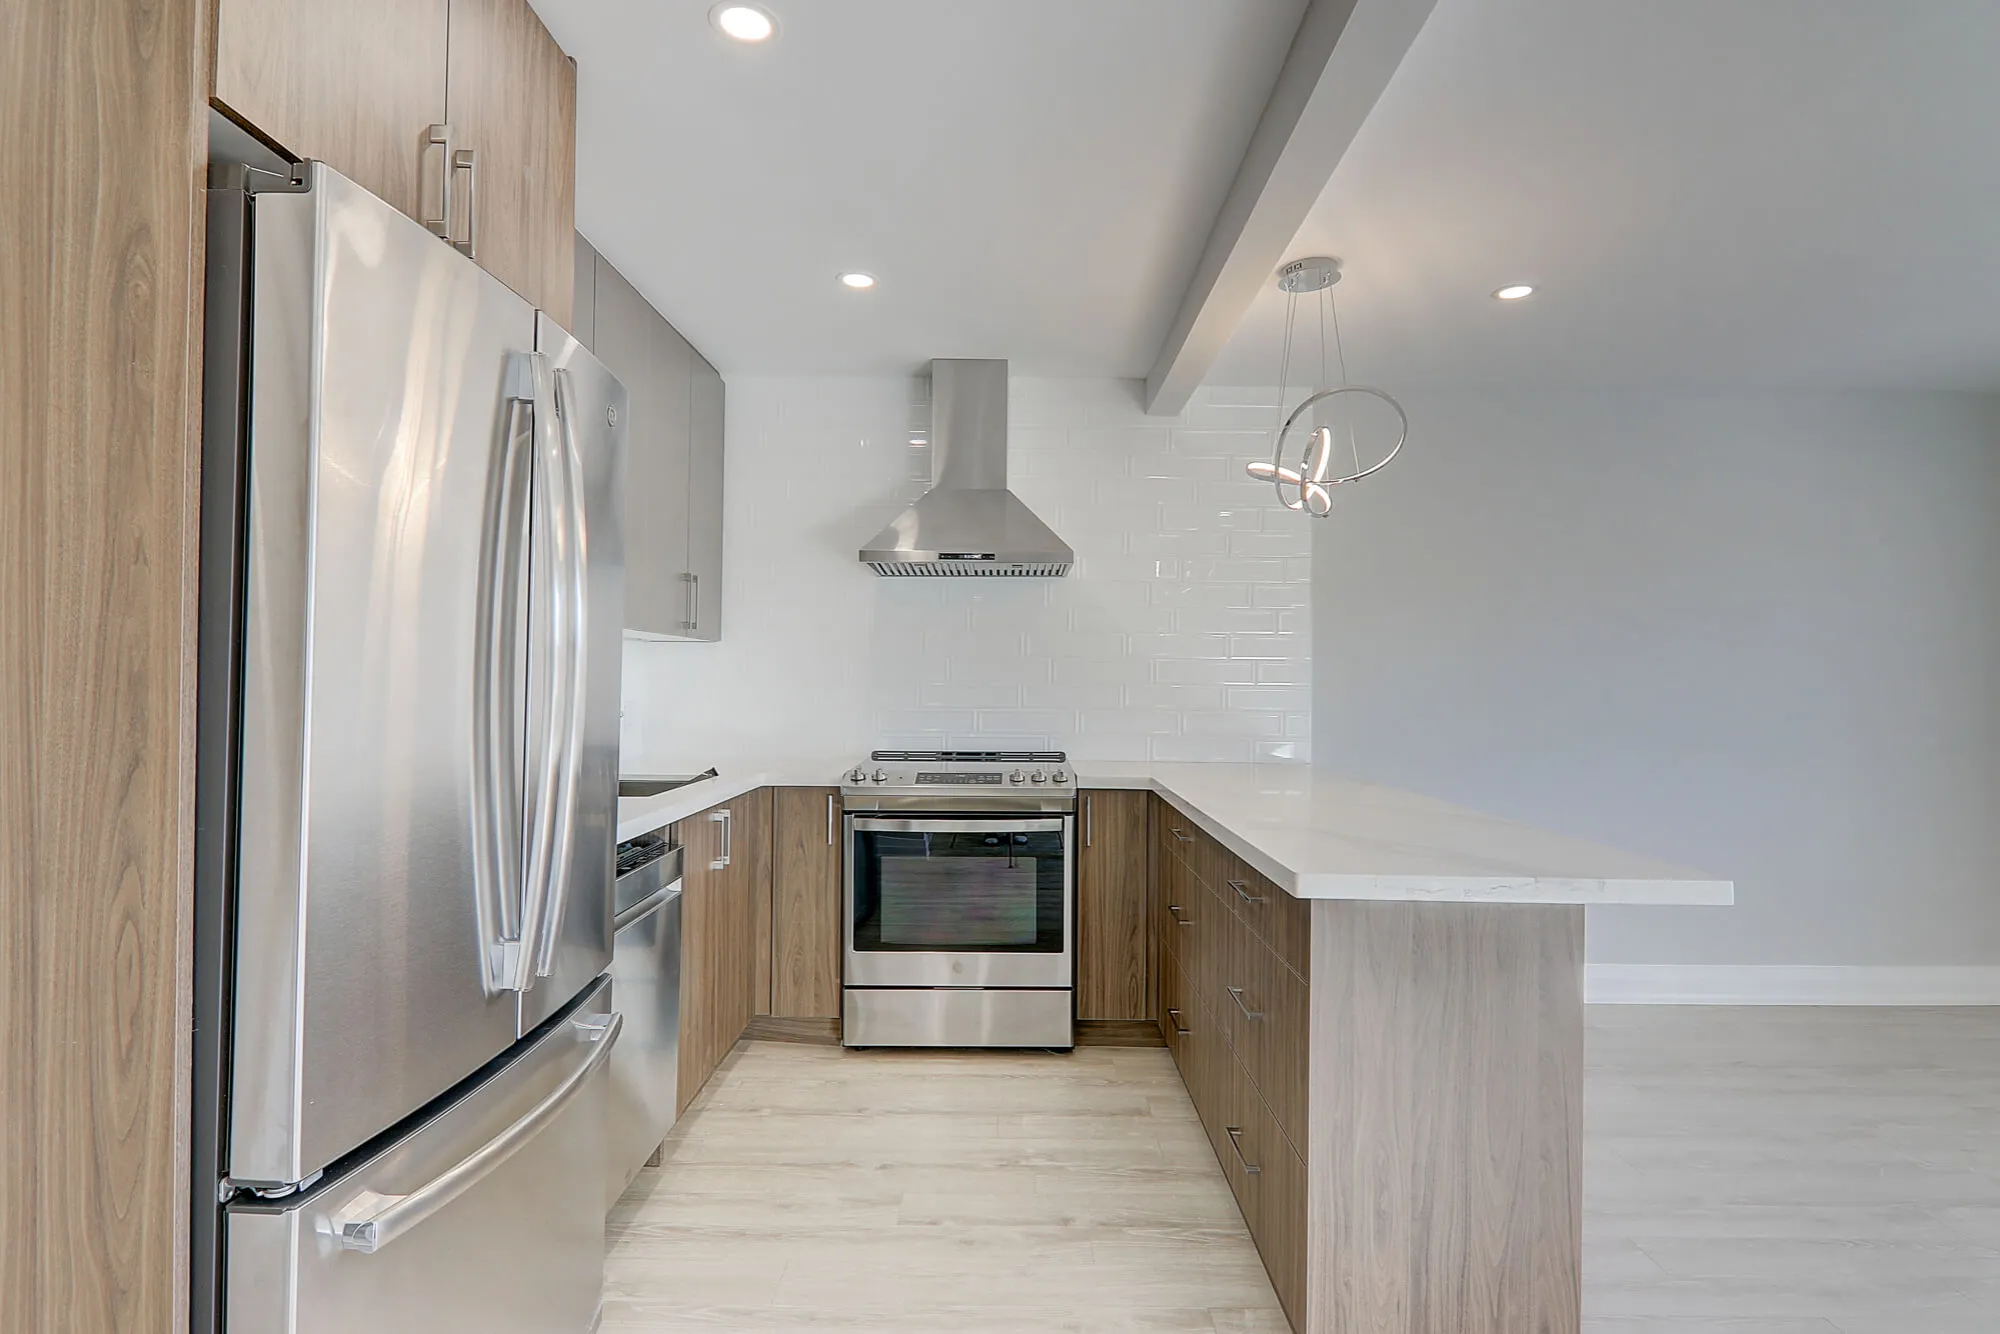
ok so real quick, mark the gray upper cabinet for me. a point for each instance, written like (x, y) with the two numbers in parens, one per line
(704, 523)
(673, 472)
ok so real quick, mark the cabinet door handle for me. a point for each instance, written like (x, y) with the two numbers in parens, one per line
(1179, 835)
(1243, 891)
(467, 161)
(831, 798)
(693, 583)
(1089, 821)
(1174, 910)
(1175, 1015)
(439, 137)
(721, 859)
(1236, 994)
(1235, 1134)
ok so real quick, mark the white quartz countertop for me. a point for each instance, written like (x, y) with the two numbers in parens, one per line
(642, 815)
(1316, 835)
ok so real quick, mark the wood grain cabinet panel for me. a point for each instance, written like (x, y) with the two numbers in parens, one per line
(101, 214)
(1282, 922)
(701, 839)
(355, 84)
(1262, 1005)
(510, 97)
(806, 903)
(1113, 962)
(750, 900)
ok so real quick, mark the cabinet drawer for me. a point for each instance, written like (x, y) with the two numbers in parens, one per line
(1262, 1008)
(1175, 1003)
(1281, 921)
(1269, 1180)
(1185, 921)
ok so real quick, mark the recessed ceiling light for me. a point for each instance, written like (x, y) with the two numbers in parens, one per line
(1514, 292)
(746, 23)
(860, 282)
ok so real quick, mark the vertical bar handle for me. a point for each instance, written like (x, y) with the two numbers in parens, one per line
(831, 798)
(1235, 1134)
(572, 574)
(439, 136)
(467, 161)
(721, 858)
(1089, 821)
(693, 585)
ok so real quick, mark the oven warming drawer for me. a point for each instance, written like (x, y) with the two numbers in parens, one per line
(957, 1017)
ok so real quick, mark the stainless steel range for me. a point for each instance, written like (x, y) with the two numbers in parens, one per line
(960, 900)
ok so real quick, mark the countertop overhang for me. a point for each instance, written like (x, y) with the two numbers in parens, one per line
(1314, 834)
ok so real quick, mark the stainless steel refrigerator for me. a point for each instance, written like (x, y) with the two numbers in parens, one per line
(411, 596)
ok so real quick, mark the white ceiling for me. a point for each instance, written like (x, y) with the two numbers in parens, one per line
(1030, 179)
(1780, 193)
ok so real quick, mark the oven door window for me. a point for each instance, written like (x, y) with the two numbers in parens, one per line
(960, 889)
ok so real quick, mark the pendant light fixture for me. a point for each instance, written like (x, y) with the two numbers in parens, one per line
(1308, 484)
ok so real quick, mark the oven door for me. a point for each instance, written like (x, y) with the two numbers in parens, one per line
(960, 901)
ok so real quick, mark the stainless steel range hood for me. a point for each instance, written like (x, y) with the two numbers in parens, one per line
(968, 523)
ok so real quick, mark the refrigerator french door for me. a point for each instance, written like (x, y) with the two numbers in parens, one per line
(407, 781)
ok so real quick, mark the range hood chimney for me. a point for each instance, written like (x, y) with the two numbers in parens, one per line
(968, 523)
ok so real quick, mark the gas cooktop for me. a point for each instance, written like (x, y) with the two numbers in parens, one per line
(945, 780)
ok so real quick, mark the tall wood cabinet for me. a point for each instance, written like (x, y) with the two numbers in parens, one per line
(806, 848)
(363, 84)
(673, 470)
(100, 360)
(1114, 976)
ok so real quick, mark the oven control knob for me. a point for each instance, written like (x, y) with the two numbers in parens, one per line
(1017, 777)
(1039, 777)
(857, 776)
(881, 777)
(1059, 776)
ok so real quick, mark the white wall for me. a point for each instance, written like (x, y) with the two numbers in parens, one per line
(1758, 634)
(1181, 633)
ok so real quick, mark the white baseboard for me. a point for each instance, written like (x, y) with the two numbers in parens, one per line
(1716, 984)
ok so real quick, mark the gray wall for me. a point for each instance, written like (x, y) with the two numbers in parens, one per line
(1757, 634)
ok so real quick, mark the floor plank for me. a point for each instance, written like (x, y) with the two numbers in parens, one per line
(1767, 1171)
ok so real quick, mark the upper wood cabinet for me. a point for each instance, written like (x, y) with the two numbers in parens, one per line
(510, 98)
(360, 85)
(1113, 974)
(356, 85)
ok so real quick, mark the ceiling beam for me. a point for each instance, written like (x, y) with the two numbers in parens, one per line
(1340, 61)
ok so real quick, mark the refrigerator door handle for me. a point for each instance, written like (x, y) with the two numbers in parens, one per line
(372, 1221)
(571, 569)
(497, 796)
(546, 803)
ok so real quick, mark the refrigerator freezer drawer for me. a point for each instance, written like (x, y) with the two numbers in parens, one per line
(488, 1216)
(645, 1069)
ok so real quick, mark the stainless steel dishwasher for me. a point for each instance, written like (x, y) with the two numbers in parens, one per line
(646, 984)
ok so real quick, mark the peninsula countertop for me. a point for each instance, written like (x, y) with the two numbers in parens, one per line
(1315, 834)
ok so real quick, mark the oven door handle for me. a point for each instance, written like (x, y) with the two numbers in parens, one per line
(923, 825)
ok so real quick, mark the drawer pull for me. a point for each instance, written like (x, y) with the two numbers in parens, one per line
(1236, 994)
(1175, 910)
(1180, 834)
(1175, 1015)
(1235, 1134)
(1243, 891)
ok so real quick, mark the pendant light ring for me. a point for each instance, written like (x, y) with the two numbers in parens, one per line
(1402, 432)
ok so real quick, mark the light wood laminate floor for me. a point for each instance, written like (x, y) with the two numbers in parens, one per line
(1755, 1171)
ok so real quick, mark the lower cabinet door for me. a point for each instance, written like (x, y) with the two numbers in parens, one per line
(488, 1215)
(1269, 1180)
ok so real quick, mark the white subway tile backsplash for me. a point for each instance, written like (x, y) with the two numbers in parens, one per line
(1183, 631)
